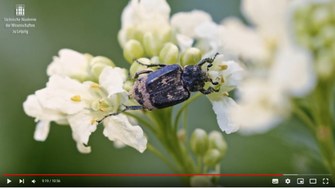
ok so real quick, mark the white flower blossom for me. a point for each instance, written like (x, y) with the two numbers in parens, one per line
(228, 74)
(262, 105)
(280, 70)
(145, 19)
(70, 63)
(68, 101)
(119, 129)
(197, 25)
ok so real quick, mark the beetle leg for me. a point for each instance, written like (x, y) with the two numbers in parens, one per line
(150, 65)
(142, 72)
(209, 66)
(211, 81)
(123, 110)
(214, 83)
(207, 60)
(209, 90)
(133, 108)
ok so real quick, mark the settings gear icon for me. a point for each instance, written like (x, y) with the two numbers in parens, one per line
(287, 181)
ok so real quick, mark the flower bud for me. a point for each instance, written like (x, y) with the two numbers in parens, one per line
(133, 50)
(199, 142)
(216, 141)
(320, 16)
(169, 54)
(151, 44)
(98, 64)
(191, 56)
(136, 67)
(128, 85)
(212, 157)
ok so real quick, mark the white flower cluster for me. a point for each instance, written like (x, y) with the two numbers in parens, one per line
(279, 69)
(82, 90)
(148, 31)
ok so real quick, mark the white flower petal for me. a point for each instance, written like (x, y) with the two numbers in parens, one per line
(112, 80)
(59, 92)
(82, 125)
(262, 105)
(268, 16)
(145, 11)
(145, 16)
(229, 78)
(69, 63)
(243, 41)
(208, 35)
(118, 128)
(184, 41)
(83, 149)
(221, 109)
(186, 22)
(33, 108)
(42, 130)
(293, 70)
(119, 144)
(254, 118)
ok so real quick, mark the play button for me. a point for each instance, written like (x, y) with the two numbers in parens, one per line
(8, 181)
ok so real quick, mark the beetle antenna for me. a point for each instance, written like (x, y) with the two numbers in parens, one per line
(208, 60)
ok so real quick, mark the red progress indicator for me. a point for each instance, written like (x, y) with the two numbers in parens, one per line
(141, 175)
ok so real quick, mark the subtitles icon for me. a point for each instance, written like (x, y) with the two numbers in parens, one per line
(275, 181)
(300, 181)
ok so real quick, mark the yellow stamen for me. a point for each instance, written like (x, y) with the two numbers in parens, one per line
(93, 121)
(76, 98)
(223, 67)
(222, 80)
(95, 86)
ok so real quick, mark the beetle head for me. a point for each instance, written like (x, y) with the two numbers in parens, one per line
(194, 78)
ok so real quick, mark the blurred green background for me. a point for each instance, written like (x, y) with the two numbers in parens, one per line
(91, 27)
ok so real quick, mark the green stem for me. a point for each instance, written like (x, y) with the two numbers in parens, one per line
(143, 122)
(199, 160)
(183, 107)
(304, 117)
(153, 150)
(325, 123)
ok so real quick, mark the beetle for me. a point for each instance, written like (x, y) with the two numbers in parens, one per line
(169, 85)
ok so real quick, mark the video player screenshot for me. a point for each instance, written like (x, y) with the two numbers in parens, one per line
(167, 93)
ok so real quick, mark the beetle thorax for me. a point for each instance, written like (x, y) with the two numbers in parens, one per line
(194, 78)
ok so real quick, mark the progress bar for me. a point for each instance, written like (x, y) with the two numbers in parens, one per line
(141, 175)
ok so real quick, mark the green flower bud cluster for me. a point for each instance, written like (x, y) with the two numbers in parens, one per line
(314, 26)
(156, 41)
(93, 68)
(141, 43)
(210, 147)
(169, 55)
(98, 63)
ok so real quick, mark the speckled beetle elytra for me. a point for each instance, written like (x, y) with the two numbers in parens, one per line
(169, 85)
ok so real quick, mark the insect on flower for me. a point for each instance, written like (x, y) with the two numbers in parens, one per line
(169, 85)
